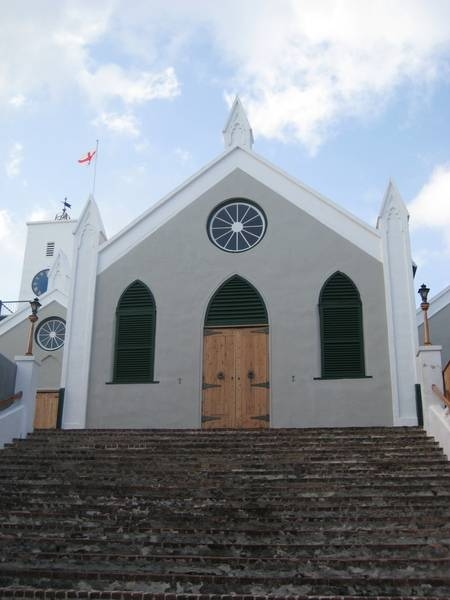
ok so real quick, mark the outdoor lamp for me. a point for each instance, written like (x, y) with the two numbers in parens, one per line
(423, 291)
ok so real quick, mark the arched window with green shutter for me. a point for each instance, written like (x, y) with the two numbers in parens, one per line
(341, 328)
(236, 304)
(134, 351)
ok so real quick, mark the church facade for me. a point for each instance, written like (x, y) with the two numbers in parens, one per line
(243, 299)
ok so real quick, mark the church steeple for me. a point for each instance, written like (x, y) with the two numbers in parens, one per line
(237, 131)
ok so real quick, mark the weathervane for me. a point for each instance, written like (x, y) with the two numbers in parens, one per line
(64, 215)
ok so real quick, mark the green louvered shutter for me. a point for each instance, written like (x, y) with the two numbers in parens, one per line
(341, 328)
(135, 335)
(236, 303)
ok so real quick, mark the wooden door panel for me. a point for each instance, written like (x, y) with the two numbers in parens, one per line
(218, 380)
(252, 370)
(46, 411)
(235, 378)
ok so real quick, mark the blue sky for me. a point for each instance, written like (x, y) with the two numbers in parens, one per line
(341, 95)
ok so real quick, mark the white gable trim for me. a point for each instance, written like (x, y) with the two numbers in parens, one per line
(22, 313)
(326, 212)
(437, 303)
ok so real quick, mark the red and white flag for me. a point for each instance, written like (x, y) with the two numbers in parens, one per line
(86, 159)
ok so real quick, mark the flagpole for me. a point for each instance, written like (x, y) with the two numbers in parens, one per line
(95, 168)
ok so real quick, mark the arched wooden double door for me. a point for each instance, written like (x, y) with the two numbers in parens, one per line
(235, 359)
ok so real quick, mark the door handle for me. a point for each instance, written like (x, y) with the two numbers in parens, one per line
(220, 375)
(251, 375)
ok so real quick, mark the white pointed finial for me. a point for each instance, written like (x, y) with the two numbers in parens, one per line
(237, 131)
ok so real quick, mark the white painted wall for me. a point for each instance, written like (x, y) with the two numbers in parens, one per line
(436, 418)
(35, 259)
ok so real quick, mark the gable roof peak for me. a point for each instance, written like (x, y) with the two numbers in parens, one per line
(237, 131)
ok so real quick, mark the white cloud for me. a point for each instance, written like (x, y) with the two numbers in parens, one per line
(126, 124)
(12, 241)
(17, 101)
(183, 155)
(300, 66)
(50, 50)
(111, 81)
(430, 209)
(14, 160)
(304, 67)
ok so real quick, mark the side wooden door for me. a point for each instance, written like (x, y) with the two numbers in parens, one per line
(235, 378)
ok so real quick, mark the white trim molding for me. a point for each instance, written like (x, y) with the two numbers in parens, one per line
(400, 306)
(80, 316)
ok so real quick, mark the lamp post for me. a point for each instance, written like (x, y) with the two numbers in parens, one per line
(34, 305)
(423, 292)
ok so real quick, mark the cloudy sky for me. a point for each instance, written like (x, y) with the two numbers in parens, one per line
(342, 94)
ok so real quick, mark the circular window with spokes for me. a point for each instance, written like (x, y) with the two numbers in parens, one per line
(51, 333)
(236, 226)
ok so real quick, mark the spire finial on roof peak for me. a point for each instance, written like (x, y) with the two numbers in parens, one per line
(237, 131)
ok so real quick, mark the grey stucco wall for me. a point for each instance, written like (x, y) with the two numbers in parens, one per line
(288, 267)
(439, 332)
(14, 343)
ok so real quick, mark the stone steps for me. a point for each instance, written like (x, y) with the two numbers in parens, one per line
(157, 514)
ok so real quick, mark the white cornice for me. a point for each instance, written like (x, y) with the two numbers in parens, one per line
(22, 313)
(52, 222)
(328, 213)
(437, 303)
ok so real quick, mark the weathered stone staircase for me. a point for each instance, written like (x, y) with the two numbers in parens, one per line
(330, 513)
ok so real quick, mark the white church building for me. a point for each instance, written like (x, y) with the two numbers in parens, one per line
(242, 299)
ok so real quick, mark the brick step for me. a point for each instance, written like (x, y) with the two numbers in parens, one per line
(328, 536)
(255, 527)
(139, 504)
(212, 517)
(372, 431)
(34, 544)
(238, 565)
(335, 497)
(260, 513)
(400, 457)
(52, 594)
(306, 490)
(303, 482)
(360, 466)
(202, 442)
(296, 584)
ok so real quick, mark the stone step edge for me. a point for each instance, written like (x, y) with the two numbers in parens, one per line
(244, 560)
(54, 594)
(8, 540)
(418, 532)
(84, 574)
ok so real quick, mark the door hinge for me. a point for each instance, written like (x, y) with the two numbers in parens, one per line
(265, 384)
(205, 418)
(261, 418)
(206, 386)
(207, 332)
(261, 330)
